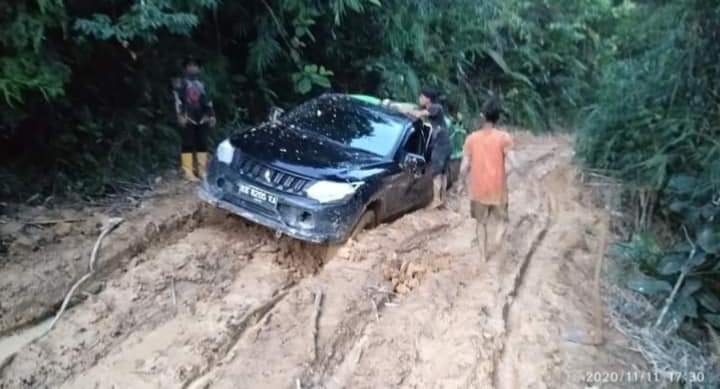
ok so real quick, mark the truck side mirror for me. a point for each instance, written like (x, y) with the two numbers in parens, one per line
(414, 164)
(410, 161)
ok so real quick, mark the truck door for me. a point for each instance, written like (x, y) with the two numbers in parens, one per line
(413, 184)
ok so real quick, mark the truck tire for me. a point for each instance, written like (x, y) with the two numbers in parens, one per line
(367, 220)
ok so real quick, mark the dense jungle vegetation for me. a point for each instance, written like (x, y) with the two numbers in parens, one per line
(85, 101)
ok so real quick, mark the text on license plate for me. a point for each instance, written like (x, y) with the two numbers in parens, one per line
(257, 194)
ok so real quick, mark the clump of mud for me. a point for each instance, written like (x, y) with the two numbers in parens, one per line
(404, 275)
(302, 258)
(407, 274)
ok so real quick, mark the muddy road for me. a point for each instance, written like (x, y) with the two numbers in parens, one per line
(190, 297)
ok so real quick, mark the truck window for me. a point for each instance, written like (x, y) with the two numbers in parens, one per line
(416, 142)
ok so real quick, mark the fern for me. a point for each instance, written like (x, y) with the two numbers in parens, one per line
(263, 52)
(143, 21)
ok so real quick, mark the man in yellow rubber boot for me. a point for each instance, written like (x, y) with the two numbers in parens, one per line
(195, 114)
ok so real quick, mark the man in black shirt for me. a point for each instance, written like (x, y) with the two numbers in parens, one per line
(195, 114)
(432, 110)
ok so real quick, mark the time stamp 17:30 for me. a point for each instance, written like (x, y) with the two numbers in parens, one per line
(636, 376)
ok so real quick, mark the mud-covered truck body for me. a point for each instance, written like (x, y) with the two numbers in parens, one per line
(323, 170)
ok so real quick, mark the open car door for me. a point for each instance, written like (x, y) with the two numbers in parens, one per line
(419, 190)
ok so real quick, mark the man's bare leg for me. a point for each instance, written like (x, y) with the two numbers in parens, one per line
(500, 235)
(443, 190)
(476, 239)
(439, 183)
(481, 238)
(436, 195)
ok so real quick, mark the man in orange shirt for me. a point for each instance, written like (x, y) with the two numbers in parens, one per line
(484, 157)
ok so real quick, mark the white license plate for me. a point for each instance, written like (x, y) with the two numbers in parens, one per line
(257, 194)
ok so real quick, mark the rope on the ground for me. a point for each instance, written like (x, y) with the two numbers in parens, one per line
(109, 227)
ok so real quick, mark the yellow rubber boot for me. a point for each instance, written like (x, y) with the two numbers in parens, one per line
(186, 162)
(202, 159)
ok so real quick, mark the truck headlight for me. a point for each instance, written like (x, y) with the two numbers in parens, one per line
(329, 191)
(225, 152)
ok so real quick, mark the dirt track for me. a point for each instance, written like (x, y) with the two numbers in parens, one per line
(190, 297)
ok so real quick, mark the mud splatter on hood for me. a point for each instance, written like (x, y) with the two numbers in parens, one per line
(300, 150)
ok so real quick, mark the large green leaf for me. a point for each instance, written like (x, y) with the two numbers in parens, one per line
(682, 184)
(304, 85)
(678, 206)
(710, 211)
(710, 301)
(697, 260)
(691, 286)
(709, 239)
(672, 263)
(500, 61)
(713, 319)
(321, 81)
(648, 285)
(684, 307)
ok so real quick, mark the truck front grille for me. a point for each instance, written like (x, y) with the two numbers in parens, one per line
(270, 177)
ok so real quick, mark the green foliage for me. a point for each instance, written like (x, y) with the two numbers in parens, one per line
(653, 272)
(92, 78)
(143, 21)
(340, 7)
(654, 124)
(26, 72)
(26, 69)
(311, 75)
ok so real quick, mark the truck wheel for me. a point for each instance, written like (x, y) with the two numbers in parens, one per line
(367, 220)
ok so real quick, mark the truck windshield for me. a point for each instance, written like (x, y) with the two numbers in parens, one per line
(349, 122)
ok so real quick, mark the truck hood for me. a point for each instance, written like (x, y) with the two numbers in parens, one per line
(303, 152)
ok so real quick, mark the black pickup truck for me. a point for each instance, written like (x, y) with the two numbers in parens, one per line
(330, 167)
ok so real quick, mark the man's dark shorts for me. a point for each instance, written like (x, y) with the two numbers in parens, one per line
(484, 212)
(442, 149)
(194, 138)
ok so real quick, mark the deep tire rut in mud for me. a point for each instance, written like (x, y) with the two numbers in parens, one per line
(221, 303)
(43, 277)
(517, 283)
(239, 329)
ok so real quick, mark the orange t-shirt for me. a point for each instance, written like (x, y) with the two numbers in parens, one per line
(485, 150)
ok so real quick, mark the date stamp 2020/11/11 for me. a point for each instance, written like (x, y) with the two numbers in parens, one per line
(638, 377)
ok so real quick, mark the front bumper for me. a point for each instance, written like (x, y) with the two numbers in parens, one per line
(321, 223)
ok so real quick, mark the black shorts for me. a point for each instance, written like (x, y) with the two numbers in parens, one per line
(440, 157)
(194, 139)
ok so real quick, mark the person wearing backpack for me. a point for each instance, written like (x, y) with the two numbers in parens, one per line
(195, 114)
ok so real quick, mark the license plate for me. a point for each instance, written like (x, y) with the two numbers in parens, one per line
(257, 194)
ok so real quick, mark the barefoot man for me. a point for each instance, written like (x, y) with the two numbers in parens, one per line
(483, 160)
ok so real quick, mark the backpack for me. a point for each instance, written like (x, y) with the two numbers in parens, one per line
(193, 95)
